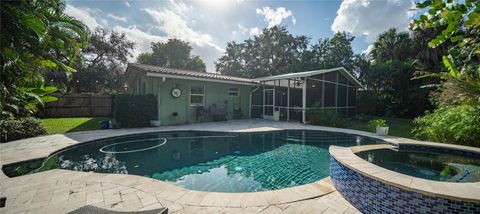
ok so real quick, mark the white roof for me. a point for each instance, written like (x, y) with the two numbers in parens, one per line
(311, 73)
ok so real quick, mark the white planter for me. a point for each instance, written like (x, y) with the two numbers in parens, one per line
(381, 130)
(155, 123)
(276, 115)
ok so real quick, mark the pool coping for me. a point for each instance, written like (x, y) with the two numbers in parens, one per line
(455, 191)
(41, 147)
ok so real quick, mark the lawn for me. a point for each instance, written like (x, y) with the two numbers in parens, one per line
(64, 125)
(398, 127)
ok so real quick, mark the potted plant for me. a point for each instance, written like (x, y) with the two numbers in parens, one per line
(378, 126)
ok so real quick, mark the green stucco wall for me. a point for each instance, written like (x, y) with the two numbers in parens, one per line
(167, 105)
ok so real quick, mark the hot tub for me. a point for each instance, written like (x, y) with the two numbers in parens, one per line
(408, 178)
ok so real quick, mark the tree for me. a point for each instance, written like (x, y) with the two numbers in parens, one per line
(174, 53)
(391, 45)
(100, 66)
(274, 51)
(36, 35)
(332, 52)
(457, 24)
(390, 89)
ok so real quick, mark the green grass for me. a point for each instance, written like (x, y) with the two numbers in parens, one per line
(64, 125)
(398, 127)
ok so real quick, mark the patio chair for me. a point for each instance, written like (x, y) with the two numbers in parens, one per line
(89, 209)
(218, 111)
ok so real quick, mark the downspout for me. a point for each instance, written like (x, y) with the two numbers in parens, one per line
(304, 101)
(159, 97)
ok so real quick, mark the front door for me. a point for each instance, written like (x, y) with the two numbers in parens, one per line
(268, 103)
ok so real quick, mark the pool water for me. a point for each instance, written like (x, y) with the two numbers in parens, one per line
(213, 161)
(437, 166)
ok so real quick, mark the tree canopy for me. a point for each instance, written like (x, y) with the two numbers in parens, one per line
(276, 51)
(456, 26)
(174, 53)
(100, 65)
(36, 35)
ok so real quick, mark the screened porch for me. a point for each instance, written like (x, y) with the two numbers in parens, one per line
(288, 97)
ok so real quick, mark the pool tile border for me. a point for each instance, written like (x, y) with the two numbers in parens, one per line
(469, 192)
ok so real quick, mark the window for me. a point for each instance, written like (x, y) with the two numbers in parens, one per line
(233, 91)
(197, 94)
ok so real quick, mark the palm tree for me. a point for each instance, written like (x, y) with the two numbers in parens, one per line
(36, 35)
(391, 45)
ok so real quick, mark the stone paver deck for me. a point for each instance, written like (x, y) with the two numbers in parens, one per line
(60, 191)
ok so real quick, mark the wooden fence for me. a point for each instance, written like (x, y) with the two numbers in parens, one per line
(79, 105)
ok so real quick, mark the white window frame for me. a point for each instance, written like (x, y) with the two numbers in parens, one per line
(202, 95)
(234, 91)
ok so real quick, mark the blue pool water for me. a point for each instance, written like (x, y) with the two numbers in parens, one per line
(427, 164)
(210, 161)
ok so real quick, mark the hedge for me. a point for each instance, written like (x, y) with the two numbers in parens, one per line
(450, 124)
(21, 128)
(325, 117)
(134, 110)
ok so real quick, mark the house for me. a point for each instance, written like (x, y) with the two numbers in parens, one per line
(190, 96)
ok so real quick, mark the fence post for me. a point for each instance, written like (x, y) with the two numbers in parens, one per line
(91, 105)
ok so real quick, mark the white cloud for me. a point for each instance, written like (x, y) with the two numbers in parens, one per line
(371, 17)
(368, 50)
(83, 14)
(127, 4)
(255, 31)
(275, 17)
(243, 29)
(141, 39)
(180, 8)
(118, 18)
(176, 27)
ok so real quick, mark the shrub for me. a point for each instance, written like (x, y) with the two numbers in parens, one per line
(21, 128)
(373, 124)
(134, 110)
(324, 117)
(451, 124)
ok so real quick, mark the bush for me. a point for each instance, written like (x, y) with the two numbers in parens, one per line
(452, 124)
(21, 128)
(373, 124)
(134, 110)
(324, 117)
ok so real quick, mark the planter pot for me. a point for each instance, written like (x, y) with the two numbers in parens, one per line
(155, 123)
(381, 130)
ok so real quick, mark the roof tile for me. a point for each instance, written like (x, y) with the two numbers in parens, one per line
(174, 71)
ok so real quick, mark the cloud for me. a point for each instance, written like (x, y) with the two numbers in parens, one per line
(243, 29)
(255, 31)
(180, 8)
(83, 14)
(275, 17)
(368, 50)
(127, 4)
(175, 26)
(141, 39)
(371, 17)
(118, 18)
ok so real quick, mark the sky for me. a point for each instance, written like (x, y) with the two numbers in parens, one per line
(208, 25)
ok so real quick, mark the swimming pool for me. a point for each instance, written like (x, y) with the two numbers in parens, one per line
(212, 161)
(427, 163)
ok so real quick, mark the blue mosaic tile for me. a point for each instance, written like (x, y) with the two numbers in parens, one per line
(371, 196)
